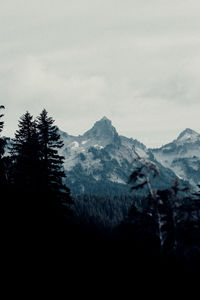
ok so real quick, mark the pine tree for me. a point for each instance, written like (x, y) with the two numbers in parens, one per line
(1, 128)
(25, 155)
(54, 192)
(1, 122)
(2, 149)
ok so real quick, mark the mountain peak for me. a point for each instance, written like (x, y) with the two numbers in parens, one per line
(104, 124)
(103, 130)
(105, 119)
(188, 135)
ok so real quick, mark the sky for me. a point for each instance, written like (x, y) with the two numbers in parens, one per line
(137, 62)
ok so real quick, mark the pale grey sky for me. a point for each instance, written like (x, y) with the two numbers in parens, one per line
(135, 61)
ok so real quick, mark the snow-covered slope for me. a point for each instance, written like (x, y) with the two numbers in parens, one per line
(182, 156)
(100, 161)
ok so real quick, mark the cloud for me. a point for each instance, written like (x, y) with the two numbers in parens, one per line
(137, 62)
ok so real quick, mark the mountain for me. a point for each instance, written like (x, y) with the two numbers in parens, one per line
(182, 156)
(100, 161)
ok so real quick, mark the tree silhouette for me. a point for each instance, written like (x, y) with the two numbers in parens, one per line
(25, 157)
(140, 177)
(1, 122)
(2, 150)
(54, 192)
(159, 202)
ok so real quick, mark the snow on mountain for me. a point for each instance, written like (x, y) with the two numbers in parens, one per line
(182, 156)
(101, 159)
(98, 146)
(188, 136)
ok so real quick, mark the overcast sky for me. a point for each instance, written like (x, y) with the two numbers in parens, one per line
(135, 61)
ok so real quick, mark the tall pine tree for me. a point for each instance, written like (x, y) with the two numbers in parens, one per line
(2, 149)
(1, 122)
(55, 193)
(26, 164)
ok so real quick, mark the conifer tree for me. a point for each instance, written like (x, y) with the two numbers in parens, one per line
(2, 144)
(52, 173)
(25, 155)
(2, 149)
(1, 122)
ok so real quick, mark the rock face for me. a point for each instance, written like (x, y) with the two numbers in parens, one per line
(100, 161)
(182, 156)
(103, 132)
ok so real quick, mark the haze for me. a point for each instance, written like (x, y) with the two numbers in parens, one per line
(135, 61)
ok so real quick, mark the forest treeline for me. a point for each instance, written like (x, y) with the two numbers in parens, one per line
(33, 195)
(163, 227)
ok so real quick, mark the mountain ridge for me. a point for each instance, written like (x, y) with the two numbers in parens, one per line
(100, 160)
(102, 157)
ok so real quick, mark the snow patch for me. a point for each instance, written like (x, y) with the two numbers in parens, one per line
(98, 146)
(115, 178)
(141, 152)
(75, 145)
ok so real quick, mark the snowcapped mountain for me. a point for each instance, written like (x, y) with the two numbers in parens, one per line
(100, 161)
(182, 156)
